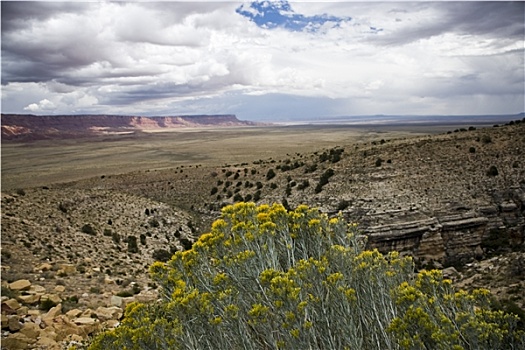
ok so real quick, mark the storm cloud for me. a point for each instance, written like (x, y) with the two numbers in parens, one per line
(264, 60)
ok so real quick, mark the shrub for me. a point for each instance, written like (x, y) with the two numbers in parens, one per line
(303, 185)
(493, 171)
(270, 174)
(132, 244)
(486, 139)
(310, 168)
(324, 180)
(214, 190)
(115, 237)
(343, 204)
(472, 149)
(46, 304)
(265, 278)
(379, 161)
(153, 222)
(87, 228)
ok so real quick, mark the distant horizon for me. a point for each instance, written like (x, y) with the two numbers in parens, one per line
(342, 119)
(281, 60)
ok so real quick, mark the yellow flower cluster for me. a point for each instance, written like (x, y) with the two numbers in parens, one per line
(267, 278)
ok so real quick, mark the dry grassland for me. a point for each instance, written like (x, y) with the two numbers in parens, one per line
(46, 162)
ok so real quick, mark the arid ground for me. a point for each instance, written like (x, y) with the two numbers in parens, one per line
(45, 162)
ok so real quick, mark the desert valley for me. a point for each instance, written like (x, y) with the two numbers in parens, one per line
(88, 206)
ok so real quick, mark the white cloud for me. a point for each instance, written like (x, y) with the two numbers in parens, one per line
(43, 106)
(110, 57)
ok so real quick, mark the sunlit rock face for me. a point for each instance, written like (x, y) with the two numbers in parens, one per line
(31, 127)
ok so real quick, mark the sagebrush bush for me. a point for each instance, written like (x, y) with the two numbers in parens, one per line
(265, 278)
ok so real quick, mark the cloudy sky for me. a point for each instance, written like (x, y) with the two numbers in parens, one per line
(263, 60)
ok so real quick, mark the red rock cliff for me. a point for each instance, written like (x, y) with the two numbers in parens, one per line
(24, 127)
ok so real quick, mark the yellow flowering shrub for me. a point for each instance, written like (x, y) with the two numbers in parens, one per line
(265, 278)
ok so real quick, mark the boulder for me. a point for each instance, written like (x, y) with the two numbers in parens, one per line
(68, 269)
(112, 324)
(87, 313)
(451, 273)
(29, 299)
(51, 297)
(74, 313)
(12, 304)
(44, 267)
(5, 321)
(51, 314)
(48, 343)
(30, 330)
(60, 289)
(13, 323)
(116, 301)
(17, 341)
(87, 325)
(22, 311)
(146, 296)
(49, 333)
(108, 313)
(20, 285)
(65, 327)
(36, 289)
(85, 321)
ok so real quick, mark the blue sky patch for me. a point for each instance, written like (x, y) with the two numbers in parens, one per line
(275, 14)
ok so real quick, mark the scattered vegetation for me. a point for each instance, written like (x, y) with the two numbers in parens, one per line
(270, 174)
(485, 139)
(132, 244)
(324, 180)
(493, 171)
(88, 229)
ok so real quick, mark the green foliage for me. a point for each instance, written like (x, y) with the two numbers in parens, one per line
(334, 155)
(47, 304)
(433, 316)
(304, 184)
(161, 255)
(310, 168)
(132, 244)
(493, 171)
(7, 292)
(115, 237)
(265, 278)
(486, 139)
(87, 228)
(270, 174)
(153, 222)
(324, 180)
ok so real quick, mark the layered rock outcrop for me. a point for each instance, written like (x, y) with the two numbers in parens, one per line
(20, 127)
(452, 238)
